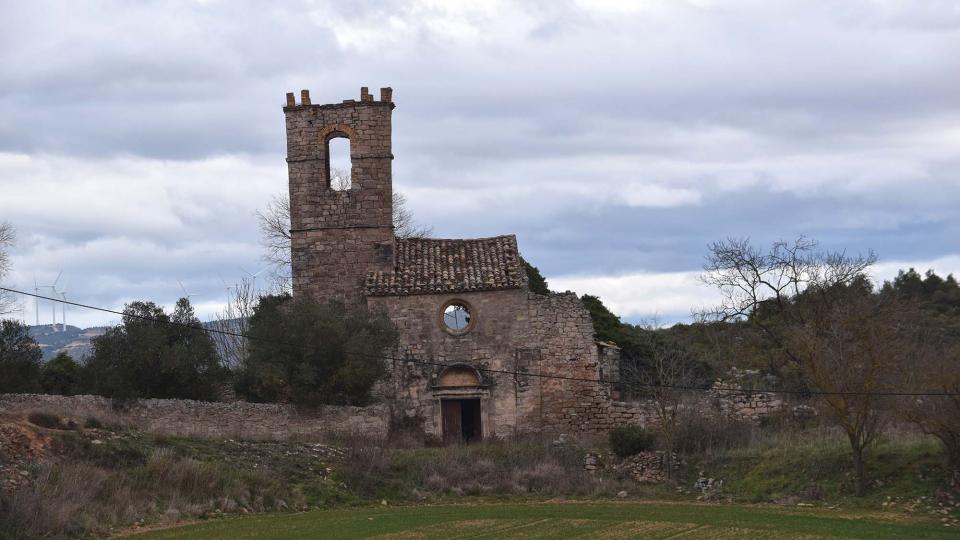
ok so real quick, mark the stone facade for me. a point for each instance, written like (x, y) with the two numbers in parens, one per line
(488, 372)
(338, 237)
(184, 417)
(516, 332)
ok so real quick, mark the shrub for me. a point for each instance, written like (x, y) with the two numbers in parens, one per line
(93, 423)
(530, 465)
(629, 440)
(19, 359)
(43, 419)
(154, 355)
(73, 498)
(335, 356)
(698, 432)
(60, 375)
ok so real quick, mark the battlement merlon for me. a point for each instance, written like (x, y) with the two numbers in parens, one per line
(366, 98)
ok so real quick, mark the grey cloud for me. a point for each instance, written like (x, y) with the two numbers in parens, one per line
(770, 119)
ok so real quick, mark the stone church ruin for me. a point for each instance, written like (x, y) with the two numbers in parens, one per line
(463, 306)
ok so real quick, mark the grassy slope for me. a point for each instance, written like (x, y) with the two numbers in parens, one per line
(572, 520)
(907, 472)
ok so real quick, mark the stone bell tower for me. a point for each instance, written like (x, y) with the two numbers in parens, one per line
(338, 237)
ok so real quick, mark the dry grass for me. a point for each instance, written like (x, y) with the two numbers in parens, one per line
(75, 498)
(531, 465)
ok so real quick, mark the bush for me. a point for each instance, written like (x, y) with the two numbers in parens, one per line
(630, 440)
(154, 355)
(73, 498)
(698, 432)
(19, 359)
(42, 419)
(93, 423)
(531, 465)
(60, 375)
(334, 356)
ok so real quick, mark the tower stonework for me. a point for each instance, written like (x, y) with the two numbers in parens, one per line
(478, 353)
(339, 237)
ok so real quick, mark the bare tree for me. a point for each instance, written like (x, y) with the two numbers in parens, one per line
(935, 357)
(850, 350)
(666, 375)
(274, 222)
(759, 286)
(8, 236)
(404, 225)
(234, 322)
(817, 308)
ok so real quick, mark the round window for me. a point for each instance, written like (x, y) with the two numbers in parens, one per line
(456, 317)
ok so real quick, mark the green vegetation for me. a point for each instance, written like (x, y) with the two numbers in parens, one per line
(154, 355)
(19, 359)
(61, 375)
(813, 466)
(336, 359)
(535, 279)
(629, 440)
(110, 477)
(559, 520)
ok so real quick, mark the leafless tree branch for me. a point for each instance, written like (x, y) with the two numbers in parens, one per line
(274, 224)
(8, 237)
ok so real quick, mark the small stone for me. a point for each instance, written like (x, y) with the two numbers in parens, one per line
(622, 494)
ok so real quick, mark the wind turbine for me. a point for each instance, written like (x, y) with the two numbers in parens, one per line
(184, 289)
(63, 307)
(227, 287)
(53, 304)
(253, 277)
(36, 299)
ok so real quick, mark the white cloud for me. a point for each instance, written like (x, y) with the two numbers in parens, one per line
(126, 229)
(670, 296)
(136, 139)
(674, 296)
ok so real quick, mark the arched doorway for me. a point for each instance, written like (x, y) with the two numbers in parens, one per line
(460, 391)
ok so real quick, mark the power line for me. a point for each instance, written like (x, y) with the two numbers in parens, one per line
(491, 370)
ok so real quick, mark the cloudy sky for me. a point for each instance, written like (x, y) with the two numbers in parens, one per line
(616, 139)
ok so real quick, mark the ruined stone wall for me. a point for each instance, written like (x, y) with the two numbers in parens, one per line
(239, 420)
(337, 237)
(722, 398)
(500, 324)
(574, 400)
(513, 330)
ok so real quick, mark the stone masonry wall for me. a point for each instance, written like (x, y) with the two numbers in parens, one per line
(337, 237)
(239, 420)
(514, 331)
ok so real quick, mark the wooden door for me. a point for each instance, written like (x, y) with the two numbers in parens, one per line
(452, 429)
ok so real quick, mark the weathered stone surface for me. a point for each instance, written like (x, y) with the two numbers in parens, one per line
(538, 363)
(206, 419)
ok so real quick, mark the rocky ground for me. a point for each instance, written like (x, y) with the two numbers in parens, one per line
(21, 447)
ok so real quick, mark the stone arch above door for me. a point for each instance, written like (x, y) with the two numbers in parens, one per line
(458, 376)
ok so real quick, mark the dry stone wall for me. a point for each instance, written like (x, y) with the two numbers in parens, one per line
(238, 419)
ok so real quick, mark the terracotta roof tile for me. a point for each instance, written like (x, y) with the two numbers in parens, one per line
(427, 266)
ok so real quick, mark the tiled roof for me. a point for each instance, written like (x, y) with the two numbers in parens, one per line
(426, 266)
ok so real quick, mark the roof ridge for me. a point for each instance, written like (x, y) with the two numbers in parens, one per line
(439, 265)
(498, 237)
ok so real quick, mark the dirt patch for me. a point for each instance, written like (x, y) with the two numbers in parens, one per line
(21, 446)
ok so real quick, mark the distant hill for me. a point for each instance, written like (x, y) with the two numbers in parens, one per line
(76, 341)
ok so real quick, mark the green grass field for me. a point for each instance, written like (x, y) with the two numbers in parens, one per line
(569, 520)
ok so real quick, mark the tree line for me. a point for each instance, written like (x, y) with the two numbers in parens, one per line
(811, 323)
(299, 351)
